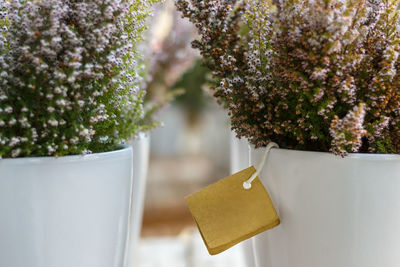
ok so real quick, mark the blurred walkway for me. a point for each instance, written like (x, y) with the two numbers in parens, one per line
(185, 250)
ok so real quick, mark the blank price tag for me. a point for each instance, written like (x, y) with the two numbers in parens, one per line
(227, 214)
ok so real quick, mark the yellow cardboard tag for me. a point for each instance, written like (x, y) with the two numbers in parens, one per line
(227, 214)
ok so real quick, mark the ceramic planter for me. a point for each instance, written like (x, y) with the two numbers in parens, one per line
(141, 153)
(334, 211)
(67, 211)
(240, 161)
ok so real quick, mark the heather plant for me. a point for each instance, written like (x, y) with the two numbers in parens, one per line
(311, 75)
(69, 75)
(167, 56)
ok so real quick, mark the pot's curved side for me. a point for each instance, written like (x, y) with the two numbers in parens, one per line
(334, 211)
(141, 154)
(63, 212)
(240, 161)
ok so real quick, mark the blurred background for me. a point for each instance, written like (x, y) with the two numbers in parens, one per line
(197, 150)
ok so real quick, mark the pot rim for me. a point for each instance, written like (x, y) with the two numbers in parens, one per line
(119, 152)
(361, 156)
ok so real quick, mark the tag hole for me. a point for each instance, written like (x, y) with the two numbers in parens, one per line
(246, 185)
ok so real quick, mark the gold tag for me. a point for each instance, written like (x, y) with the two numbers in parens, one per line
(227, 214)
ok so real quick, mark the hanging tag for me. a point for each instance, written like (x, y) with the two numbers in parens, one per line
(226, 213)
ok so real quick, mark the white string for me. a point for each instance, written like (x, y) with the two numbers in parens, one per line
(247, 183)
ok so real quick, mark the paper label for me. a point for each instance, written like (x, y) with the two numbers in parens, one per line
(227, 214)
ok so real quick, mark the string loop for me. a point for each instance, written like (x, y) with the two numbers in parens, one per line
(247, 183)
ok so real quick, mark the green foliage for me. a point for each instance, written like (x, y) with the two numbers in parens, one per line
(69, 76)
(193, 82)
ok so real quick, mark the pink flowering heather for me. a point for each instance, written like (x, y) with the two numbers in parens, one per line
(68, 75)
(311, 75)
(167, 56)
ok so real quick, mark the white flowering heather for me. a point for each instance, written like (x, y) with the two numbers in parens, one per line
(68, 80)
(317, 75)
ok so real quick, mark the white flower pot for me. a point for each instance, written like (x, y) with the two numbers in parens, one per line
(335, 212)
(141, 154)
(240, 161)
(65, 212)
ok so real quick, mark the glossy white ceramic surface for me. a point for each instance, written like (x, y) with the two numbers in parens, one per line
(335, 212)
(240, 161)
(141, 154)
(65, 212)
